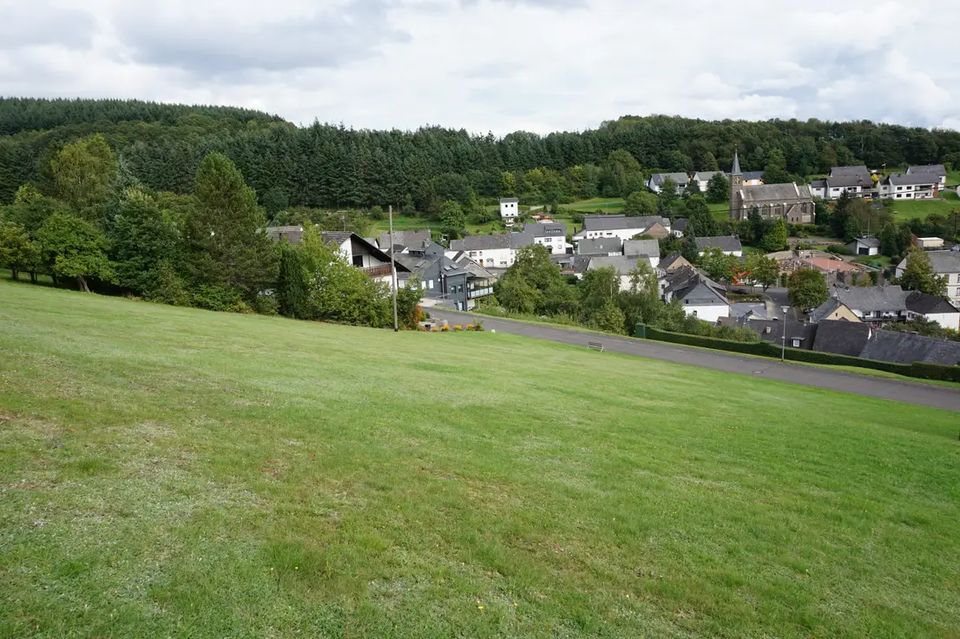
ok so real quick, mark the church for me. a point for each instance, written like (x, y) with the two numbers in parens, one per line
(792, 203)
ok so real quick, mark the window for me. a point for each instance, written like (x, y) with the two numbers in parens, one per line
(358, 260)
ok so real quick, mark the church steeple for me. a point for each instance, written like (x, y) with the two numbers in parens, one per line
(736, 183)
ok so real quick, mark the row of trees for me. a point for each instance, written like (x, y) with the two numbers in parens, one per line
(333, 166)
(102, 229)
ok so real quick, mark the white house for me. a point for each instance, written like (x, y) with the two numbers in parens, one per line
(489, 251)
(702, 178)
(916, 186)
(597, 246)
(947, 265)
(623, 226)
(373, 262)
(509, 209)
(865, 245)
(934, 170)
(700, 296)
(928, 243)
(728, 244)
(933, 309)
(655, 183)
(551, 235)
(622, 264)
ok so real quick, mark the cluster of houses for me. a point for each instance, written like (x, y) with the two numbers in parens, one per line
(917, 183)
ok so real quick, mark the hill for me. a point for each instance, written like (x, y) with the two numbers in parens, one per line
(170, 471)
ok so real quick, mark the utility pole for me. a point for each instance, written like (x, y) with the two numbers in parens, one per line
(783, 339)
(393, 274)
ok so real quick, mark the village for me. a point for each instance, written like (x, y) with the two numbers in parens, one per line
(862, 305)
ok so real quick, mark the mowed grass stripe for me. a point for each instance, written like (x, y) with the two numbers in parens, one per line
(171, 471)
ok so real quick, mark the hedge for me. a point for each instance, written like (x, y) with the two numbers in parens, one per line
(767, 349)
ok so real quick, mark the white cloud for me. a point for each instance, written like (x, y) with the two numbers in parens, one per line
(497, 65)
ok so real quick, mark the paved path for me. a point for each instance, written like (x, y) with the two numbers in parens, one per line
(904, 391)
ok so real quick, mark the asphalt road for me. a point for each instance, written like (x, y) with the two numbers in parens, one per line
(904, 391)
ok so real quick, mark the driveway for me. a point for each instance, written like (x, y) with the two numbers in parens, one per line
(903, 391)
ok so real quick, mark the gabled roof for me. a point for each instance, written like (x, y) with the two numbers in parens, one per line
(826, 309)
(913, 179)
(906, 348)
(509, 200)
(678, 178)
(864, 181)
(403, 239)
(841, 337)
(545, 229)
(752, 175)
(854, 170)
(673, 262)
(704, 176)
(936, 169)
(599, 246)
(691, 286)
(818, 184)
(884, 299)
(680, 224)
(337, 237)
(650, 248)
(727, 243)
(622, 264)
(925, 304)
(944, 261)
(614, 222)
(775, 192)
(489, 242)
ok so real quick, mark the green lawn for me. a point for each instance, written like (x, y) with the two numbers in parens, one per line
(593, 205)
(175, 472)
(910, 209)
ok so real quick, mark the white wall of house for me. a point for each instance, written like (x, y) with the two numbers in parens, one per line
(908, 191)
(946, 320)
(623, 234)
(509, 210)
(733, 253)
(708, 313)
(491, 258)
(556, 245)
(817, 191)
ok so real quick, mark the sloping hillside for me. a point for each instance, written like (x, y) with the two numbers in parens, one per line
(173, 472)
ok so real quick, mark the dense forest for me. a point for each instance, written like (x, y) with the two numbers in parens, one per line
(331, 166)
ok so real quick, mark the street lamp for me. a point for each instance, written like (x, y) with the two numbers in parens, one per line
(783, 339)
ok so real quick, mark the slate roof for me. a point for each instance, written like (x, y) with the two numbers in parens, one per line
(690, 286)
(509, 200)
(599, 246)
(944, 261)
(906, 348)
(728, 243)
(818, 184)
(614, 222)
(622, 264)
(775, 192)
(936, 169)
(841, 337)
(545, 229)
(772, 331)
(650, 248)
(854, 170)
(851, 180)
(678, 178)
(865, 299)
(292, 234)
(403, 239)
(680, 224)
(336, 237)
(903, 179)
(705, 176)
(489, 242)
(752, 175)
(925, 304)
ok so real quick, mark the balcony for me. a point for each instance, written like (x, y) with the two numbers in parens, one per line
(373, 272)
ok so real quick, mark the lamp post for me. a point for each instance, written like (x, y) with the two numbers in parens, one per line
(783, 338)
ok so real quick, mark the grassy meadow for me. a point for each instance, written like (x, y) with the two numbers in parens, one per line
(177, 472)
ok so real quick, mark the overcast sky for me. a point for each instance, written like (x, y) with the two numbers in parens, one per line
(497, 65)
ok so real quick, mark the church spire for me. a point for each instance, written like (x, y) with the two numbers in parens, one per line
(736, 164)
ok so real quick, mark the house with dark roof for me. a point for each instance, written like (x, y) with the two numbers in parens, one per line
(936, 170)
(456, 280)
(647, 249)
(933, 309)
(841, 337)
(550, 235)
(861, 340)
(700, 296)
(910, 186)
(402, 240)
(672, 262)
(832, 309)
(874, 303)
(491, 251)
(946, 264)
(600, 246)
(794, 333)
(655, 183)
(679, 226)
(729, 244)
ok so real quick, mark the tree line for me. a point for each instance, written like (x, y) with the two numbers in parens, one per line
(98, 227)
(333, 166)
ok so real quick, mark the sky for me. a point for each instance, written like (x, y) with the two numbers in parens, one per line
(497, 65)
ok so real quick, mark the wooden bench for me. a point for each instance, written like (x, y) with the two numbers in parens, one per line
(595, 346)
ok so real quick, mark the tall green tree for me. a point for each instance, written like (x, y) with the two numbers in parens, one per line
(84, 173)
(73, 248)
(226, 246)
(918, 274)
(775, 237)
(453, 221)
(763, 270)
(775, 172)
(17, 251)
(142, 237)
(718, 189)
(292, 284)
(640, 203)
(699, 218)
(806, 289)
